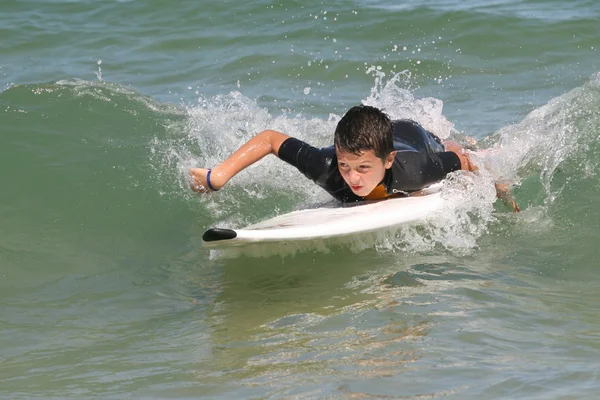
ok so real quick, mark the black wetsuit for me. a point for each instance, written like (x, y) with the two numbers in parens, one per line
(420, 161)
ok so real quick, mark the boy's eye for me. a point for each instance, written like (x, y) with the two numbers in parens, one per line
(364, 167)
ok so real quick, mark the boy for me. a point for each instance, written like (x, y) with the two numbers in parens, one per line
(372, 158)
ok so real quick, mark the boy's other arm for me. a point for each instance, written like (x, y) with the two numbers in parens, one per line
(465, 161)
(266, 142)
(502, 188)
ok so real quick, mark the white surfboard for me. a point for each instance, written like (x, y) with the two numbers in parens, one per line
(325, 223)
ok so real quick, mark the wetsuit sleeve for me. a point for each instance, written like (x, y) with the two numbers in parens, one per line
(448, 161)
(309, 160)
(417, 170)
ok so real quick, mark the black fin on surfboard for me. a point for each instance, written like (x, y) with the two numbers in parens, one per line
(214, 234)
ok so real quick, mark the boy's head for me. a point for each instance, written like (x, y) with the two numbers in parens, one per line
(364, 147)
(364, 128)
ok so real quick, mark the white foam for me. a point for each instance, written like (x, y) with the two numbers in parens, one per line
(545, 138)
(399, 103)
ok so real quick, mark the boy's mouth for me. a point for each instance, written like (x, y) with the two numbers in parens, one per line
(356, 188)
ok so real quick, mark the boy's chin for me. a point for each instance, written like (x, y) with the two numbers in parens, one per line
(361, 192)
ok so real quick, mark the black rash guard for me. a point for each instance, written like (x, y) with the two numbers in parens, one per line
(420, 161)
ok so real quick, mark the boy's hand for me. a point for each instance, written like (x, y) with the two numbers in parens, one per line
(503, 193)
(199, 183)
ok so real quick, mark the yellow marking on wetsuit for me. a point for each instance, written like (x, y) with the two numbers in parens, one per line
(378, 193)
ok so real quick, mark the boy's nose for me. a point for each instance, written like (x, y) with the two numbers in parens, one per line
(354, 177)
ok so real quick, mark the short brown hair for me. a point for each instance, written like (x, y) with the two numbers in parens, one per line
(364, 128)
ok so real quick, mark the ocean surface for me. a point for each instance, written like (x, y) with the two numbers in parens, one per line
(106, 291)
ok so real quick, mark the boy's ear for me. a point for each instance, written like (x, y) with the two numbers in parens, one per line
(389, 160)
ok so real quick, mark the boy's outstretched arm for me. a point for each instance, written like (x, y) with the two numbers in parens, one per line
(266, 142)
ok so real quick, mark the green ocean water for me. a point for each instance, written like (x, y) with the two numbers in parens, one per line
(106, 291)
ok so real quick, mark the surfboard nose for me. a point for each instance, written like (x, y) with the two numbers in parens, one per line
(215, 234)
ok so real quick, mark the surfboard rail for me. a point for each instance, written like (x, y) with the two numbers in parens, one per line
(324, 223)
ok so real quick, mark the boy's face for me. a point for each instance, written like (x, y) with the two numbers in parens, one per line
(363, 172)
